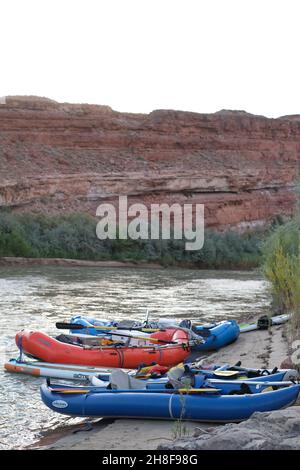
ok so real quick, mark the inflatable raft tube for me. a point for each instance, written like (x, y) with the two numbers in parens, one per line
(80, 373)
(57, 371)
(206, 407)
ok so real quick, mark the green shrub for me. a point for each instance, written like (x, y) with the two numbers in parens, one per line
(282, 266)
(74, 236)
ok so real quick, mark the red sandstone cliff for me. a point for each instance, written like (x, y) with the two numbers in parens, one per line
(62, 157)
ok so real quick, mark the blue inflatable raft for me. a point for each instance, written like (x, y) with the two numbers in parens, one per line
(215, 335)
(207, 406)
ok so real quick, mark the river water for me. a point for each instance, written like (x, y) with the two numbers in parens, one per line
(38, 297)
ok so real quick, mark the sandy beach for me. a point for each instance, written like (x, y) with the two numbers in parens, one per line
(261, 348)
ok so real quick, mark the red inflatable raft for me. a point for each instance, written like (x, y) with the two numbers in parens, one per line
(48, 349)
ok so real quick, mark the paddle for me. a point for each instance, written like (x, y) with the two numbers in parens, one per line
(199, 390)
(75, 326)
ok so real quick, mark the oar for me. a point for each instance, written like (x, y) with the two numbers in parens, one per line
(199, 390)
(75, 326)
(250, 382)
(70, 391)
(105, 327)
(163, 390)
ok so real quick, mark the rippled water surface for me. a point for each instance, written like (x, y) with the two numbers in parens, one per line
(37, 297)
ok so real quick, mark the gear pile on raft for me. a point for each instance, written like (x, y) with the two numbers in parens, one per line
(144, 369)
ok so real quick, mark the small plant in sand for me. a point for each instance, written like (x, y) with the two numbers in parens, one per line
(180, 429)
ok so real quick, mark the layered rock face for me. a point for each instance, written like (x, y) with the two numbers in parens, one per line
(62, 157)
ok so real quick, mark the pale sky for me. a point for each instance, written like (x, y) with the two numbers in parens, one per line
(140, 55)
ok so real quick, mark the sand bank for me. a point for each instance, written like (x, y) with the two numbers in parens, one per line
(18, 261)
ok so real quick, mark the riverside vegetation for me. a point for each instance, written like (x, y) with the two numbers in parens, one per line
(281, 252)
(74, 236)
(282, 268)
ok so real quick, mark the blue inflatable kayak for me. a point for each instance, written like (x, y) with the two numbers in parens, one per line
(89, 324)
(218, 335)
(204, 405)
(215, 335)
